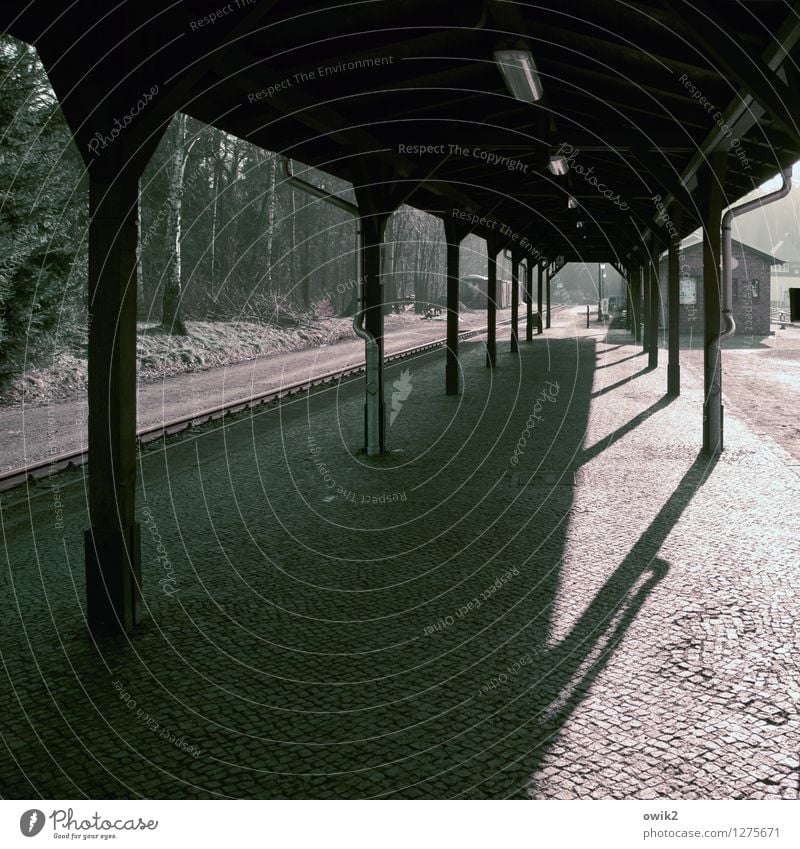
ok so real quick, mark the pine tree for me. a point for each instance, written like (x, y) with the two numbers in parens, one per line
(43, 213)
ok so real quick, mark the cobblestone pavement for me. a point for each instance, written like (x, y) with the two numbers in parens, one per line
(544, 592)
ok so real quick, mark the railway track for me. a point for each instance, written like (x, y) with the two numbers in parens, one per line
(57, 463)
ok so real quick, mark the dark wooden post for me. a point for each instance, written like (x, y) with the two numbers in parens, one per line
(454, 234)
(514, 302)
(112, 558)
(377, 195)
(113, 563)
(713, 195)
(372, 227)
(646, 293)
(491, 305)
(655, 303)
(628, 300)
(548, 297)
(528, 300)
(637, 304)
(674, 308)
(539, 272)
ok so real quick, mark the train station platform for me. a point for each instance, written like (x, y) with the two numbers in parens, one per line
(542, 592)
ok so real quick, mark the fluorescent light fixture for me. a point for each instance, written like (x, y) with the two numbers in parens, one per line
(572, 203)
(558, 165)
(520, 74)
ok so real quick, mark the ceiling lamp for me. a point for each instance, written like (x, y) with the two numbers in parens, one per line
(520, 74)
(558, 165)
(572, 203)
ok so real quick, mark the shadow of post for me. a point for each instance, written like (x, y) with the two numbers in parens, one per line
(576, 661)
(561, 677)
(617, 362)
(607, 441)
(628, 379)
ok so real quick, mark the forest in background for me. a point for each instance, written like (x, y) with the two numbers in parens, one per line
(223, 235)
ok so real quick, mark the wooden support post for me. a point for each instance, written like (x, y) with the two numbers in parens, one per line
(113, 564)
(674, 309)
(642, 306)
(645, 307)
(548, 297)
(528, 300)
(372, 228)
(628, 301)
(112, 557)
(378, 195)
(491, 306)
(539, 272)
(454, 234)
(655, 303)
(514, 302)
(89, 105)
(713, 195)
(636, 309)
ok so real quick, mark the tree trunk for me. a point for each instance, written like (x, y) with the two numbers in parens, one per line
(140, 300)
(256, 277)
(304, 259)
(293, 246)
(218, 160)
(170, 310)
(273, 166)
(419, 280)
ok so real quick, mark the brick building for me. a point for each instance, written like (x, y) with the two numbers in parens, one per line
(751, 287)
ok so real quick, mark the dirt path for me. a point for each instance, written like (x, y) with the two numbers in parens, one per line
(31, 433)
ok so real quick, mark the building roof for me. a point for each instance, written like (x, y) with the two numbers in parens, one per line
(695, 241)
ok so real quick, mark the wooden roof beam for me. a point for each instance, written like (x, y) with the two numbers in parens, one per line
(754, 76)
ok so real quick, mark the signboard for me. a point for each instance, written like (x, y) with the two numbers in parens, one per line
(750, 290)
(688, 290)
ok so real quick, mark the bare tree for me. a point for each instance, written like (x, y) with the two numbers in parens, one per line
(219, 153)
(170, 309)
(272, 203)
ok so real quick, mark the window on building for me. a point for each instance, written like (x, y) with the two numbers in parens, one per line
(755, 288)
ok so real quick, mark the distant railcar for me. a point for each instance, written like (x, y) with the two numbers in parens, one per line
(473, 292)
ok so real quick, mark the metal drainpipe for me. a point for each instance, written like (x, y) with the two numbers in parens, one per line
(372, 357)
(317, 191)
(727, 221)
(371, 347)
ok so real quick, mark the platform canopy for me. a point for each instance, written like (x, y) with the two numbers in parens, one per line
(636, 95)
